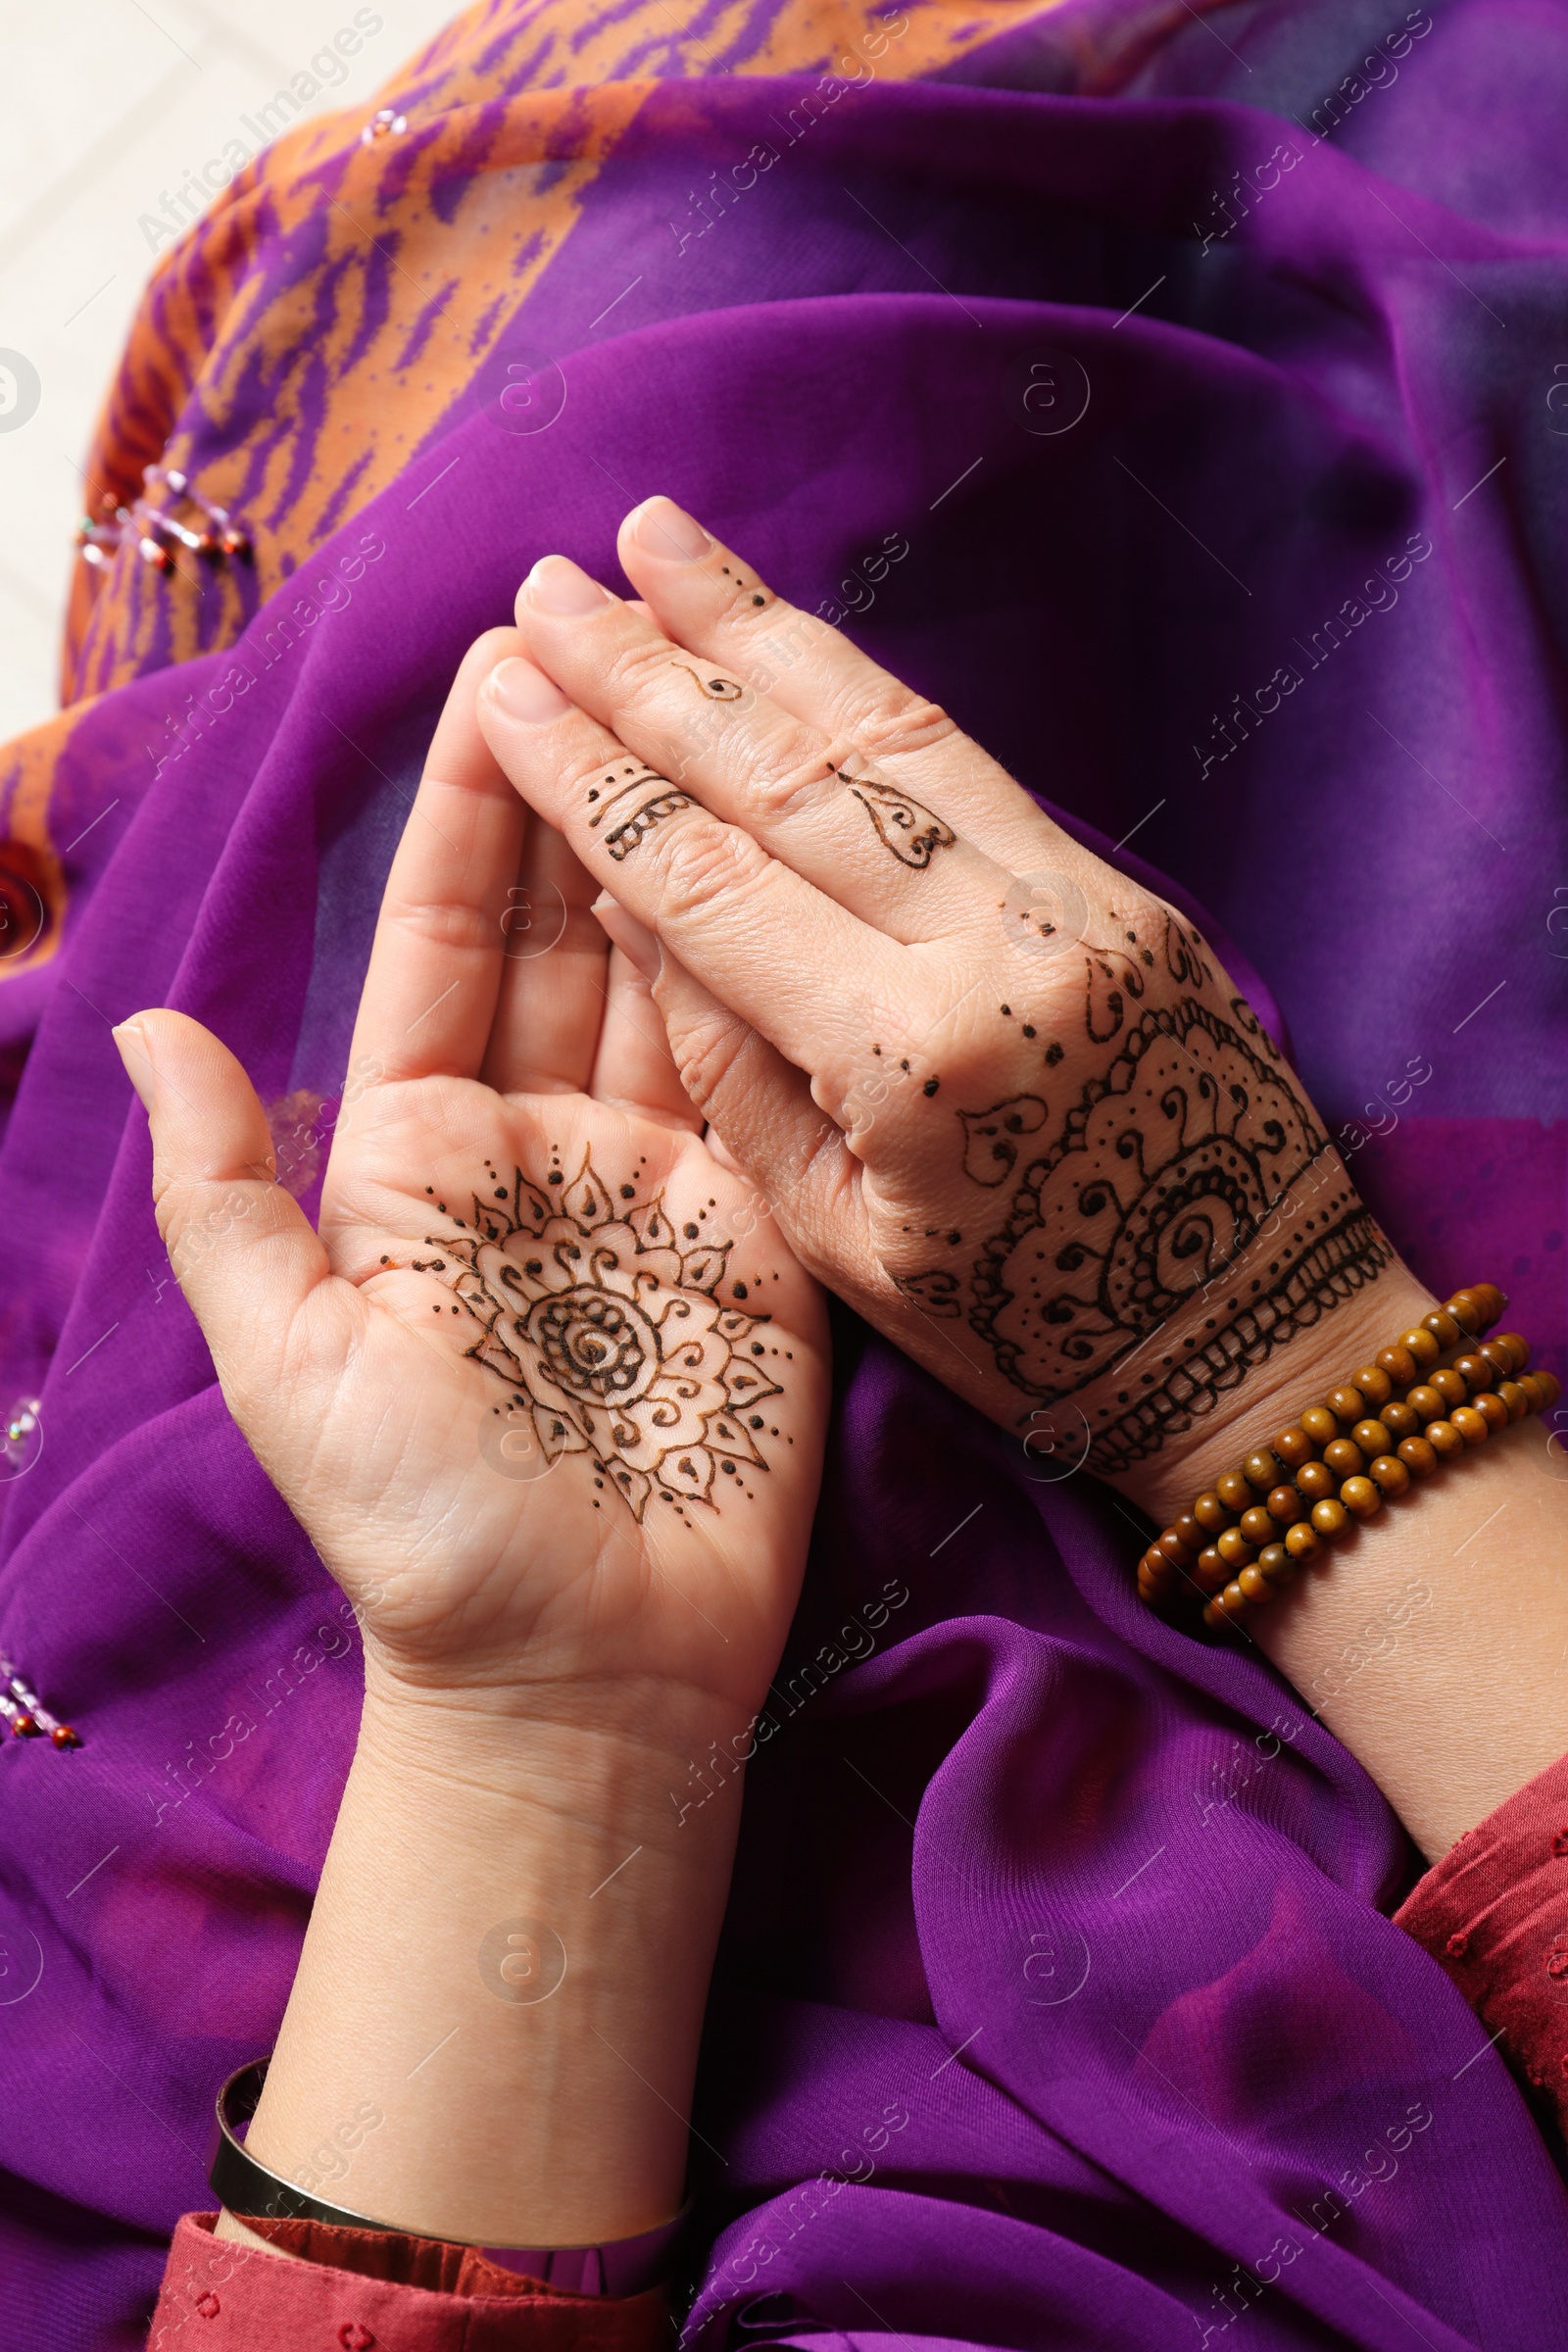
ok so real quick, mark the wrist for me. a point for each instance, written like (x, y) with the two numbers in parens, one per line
(1268, 1394)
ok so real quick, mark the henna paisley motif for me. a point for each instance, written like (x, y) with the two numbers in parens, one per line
(614, 1335)
(1163, 1175)
(913, 832)
(992, 1138)
(716, 690)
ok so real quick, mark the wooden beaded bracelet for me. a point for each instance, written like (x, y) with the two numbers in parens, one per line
(1259, 1525)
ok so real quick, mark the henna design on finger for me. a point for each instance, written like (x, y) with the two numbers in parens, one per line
(913, 832)
(610, 1329)
(632, 828)
(717, 690)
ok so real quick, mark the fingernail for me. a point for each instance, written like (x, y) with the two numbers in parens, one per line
(557, 585)
(524, 692)
(665, 530)
(132, 1039)
(637, 943)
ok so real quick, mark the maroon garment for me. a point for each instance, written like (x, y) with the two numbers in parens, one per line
(371, 2291)
(1493, 1912)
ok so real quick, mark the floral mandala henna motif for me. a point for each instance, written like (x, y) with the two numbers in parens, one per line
(913, 832)
(1167, 1167)
(597, 1318)
(1189, 1152)
(620, 785)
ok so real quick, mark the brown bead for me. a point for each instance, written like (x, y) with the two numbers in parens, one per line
(1504, 1360)
(1475, 1372)
(1150, 1589)
(1314, 1481)
(1214, 1613)
(1285, 1506)
(1391, 1474)
(1211, 1571)
(1320, 1424)
(1492, 1301)
(1234, 1600)
(1257, 1525)
(1449, 1386)
(1234, 1490)
(1361, 1497)
(1303, 1542)
(1510, 1394)
(1443, 1327)
(1444, 1438)
(1274, 1562)
(1422, 1346)
(1519, 1343)
(1553, 1387)
(1176, 1551)
(1154, 1562)
(1465, 1311)
(1292, 1447)
(1330, 1518)
(1261, 1470)
(1400, 1365)
(1400, 1420)
(1419, 1457)
(1534, 1396)
(1346, 1404)
(1426, 1401)
(1374, 1384)
(1372, 1438)
(1211, 1514)
(1492, 1409)
(1343, 1458)
(1233, 1548)
(1192, 1534)
(1255, 1585)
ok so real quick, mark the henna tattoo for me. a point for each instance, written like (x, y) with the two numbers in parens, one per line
(1191, 1151)
(717, 690)
(1349, 1252)
(990, 1137)
(1167, 1166)
(913, 832)
(629, 829)
(610, 1329)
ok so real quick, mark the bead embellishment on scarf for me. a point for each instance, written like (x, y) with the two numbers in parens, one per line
(609, 1328)
(1342, 1459)
(24, 1711)
(384, 124)
(158, 532)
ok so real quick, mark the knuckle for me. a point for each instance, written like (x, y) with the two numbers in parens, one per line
(706, 1055)
(704, 863)
(895, 723)
(635, 671)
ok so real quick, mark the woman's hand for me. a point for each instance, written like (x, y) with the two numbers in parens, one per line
(1062, 1164)
(545, 1394)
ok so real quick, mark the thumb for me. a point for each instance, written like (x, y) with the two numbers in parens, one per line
(242, 1251)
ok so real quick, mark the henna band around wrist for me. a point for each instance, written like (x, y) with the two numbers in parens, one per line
(1252, 1533)
(624, 2266)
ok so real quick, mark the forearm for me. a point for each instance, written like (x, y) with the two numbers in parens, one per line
(514, 2109)
(1456, 1590)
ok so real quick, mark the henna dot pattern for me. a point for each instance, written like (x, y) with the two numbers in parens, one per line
(615, 1337)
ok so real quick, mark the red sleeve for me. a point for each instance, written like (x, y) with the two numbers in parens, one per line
(356, 2290)
(1493, 1912)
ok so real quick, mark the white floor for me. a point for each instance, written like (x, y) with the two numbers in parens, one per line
(105, 104)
